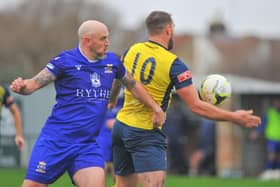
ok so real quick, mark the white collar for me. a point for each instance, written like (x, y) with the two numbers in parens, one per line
(89, 60)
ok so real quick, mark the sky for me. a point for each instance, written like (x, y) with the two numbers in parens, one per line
(243, 17)
(255, 17)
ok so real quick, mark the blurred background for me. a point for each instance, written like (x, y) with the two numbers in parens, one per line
(238, 39)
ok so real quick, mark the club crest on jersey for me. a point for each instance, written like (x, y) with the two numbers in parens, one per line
(78, 67)
(95, 80)
(41, 167)
(108, 68)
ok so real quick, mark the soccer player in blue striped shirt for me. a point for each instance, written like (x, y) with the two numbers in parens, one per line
(83, 79)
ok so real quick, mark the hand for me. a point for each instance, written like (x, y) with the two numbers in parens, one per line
(17, 85)
(19, 142)
(246, 118)
(159, 118)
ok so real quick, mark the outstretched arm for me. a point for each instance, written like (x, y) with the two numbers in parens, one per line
(28, 86)
(19, 140)
(243, 117)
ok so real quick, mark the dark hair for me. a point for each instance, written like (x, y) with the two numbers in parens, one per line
(156, 21)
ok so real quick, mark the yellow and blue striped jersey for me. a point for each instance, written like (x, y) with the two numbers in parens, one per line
(159, 70)
(5, 98)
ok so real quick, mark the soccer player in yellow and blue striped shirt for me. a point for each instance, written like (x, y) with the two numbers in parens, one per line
(139, 147)
(7, 100)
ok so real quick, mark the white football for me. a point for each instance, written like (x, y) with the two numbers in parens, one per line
(215, 89)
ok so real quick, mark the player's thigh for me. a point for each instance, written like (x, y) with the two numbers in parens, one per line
(127, 181)
(152, 178)
(88, 177)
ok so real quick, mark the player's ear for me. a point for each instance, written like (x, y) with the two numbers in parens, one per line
(86, 40)
(169, 28)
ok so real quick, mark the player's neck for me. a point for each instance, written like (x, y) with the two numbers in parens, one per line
(88, 54)
(160, 40)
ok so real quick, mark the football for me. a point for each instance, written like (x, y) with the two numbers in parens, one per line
(215, 89)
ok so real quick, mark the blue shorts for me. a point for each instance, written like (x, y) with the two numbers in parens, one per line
(50, 159)
(138, 150)
(273, 146)
(105, 141)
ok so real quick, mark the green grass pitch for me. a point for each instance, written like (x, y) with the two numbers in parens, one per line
(14, 177)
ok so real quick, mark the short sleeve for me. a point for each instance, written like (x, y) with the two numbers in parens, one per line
(8, 99)
(121, 70)
(180, 74)
(55, 65)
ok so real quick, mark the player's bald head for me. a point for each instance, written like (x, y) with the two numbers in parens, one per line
(91, 27)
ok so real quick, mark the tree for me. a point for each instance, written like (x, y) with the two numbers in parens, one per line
(37, 30)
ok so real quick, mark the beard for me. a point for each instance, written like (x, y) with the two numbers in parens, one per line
(170, 43)
(99, 54)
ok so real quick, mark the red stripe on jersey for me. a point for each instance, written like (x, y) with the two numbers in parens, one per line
(184, 76)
